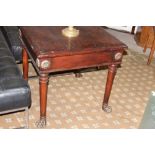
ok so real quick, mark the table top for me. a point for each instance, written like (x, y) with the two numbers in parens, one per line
(49, 41)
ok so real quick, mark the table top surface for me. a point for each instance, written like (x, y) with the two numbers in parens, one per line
(48, 40)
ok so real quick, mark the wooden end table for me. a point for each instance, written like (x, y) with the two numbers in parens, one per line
(50, 51)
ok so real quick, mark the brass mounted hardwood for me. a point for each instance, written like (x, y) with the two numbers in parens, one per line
(50, 51)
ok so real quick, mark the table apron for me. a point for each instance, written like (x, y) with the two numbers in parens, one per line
(79, 61)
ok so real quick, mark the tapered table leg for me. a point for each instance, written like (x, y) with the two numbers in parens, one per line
(133, 29)
(25, 64)
(78, 74)
(43, 83)
(151, 53)
(110, 78)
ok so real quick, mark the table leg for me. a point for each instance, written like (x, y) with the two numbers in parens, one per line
(109, 83)
(151, 53)
(78, 74)
(25, 64)
(43, 83)
(133, 29)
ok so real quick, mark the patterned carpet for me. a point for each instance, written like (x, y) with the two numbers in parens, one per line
(76, 102)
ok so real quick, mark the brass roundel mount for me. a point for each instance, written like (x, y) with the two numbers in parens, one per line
(70, 32)
(43, 64)
(118, 56)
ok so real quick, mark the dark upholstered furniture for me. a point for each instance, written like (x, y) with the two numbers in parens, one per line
(15, 93)
(11, 34)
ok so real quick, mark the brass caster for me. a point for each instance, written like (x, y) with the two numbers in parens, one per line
(41, 123)
(107, 108)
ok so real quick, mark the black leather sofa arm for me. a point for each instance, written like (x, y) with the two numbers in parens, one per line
(14, 90)
(11, 34)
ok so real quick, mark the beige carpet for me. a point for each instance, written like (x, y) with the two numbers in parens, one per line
(76, 102)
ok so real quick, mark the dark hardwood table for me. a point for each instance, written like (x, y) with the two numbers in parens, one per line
(50, 51)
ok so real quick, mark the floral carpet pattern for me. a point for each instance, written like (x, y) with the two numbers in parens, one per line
(76, 102)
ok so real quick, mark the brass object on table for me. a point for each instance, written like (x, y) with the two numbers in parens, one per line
(70, 32)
